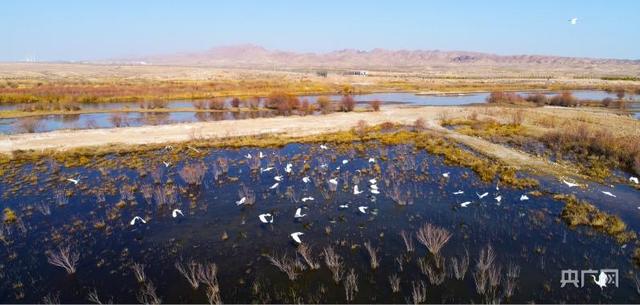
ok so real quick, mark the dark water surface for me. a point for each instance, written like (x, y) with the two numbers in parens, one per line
(528, 234)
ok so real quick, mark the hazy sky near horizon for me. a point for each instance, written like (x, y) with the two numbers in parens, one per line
(85, 30)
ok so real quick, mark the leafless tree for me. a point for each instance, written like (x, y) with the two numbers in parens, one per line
(64, 258)
(334, 263)
(351, 285)
(394, 281)
(285, 264)
(306, 254)
(138, 271)
(190, 272)
(193, 173)
(408, 240)
(419, 292)
(513, 273)
(433, 237)
(51, 298)
(148, 294)
(208, 275)
(459, 267)
(373, 255)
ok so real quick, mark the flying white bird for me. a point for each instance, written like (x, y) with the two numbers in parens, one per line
(338, 168)
(261, 155)
(176, 212)
(446, 175)
(322, 146)
(356, 191)
(241, 201)
(278, 178)
(608, 194)
(344, 206)
(305, 199)
(248, 156)
(374, 187)
(375, 191)
(499, 198)
(288, 168)
(570, 184)
(602, 279)
(372, 160)
(74, 181)
(166, 164)
(274, 185)
(465, 204)
(373, 181)
(306, 180)
(133, 221)
(299, 213)
(524, 197)
(324, 165)
(573, 21)
(345, 161)
(482, 195)
(266, 218)
(634, 180)
(460, 192)
(363, 209)
(334, 181)
(296, 237)
(263, 170)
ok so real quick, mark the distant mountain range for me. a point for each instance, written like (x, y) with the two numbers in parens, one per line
(252, 56)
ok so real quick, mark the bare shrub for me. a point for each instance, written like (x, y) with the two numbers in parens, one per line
(306, 254)
(375, 105)
(200, 104)
(193, 173)
(347, 103)
(361, 128)
(394, 281)
(138, 271)
(190, 272)
(408, 240)
(565, 99)
(248, 194)
(217, 104)
(285, 264)
(29, 124)
(147, 294)
(306, 108)
(538, 99)
(208, 275)
(334, 263)
(517, 117)
(419, 124)
(459, 267)
(94, 298)
(351, 285)
(235, 102)
(373, 255)
(513, 273)
(433, 237)
(486, 258)
(119, 119)
(324, 103)
(419, 292)
(499, 97)
(64, 258)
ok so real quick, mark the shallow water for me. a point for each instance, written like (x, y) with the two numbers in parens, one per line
(102, 120)
(525, 233)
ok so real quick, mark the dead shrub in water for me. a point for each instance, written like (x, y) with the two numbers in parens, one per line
(28, 124)
(351, 285)
(499, 97)
(64, 258)
(375, 105)
(138, 271)
(217, 104)
(334, 263)
(419, 292)
(306, 108)
(433, 237)
(285, 264)
(235, 102)
(513, 273)
(394, 281)
(347, 103)
(459, 267)
(306, 254)
(208, 275)
(190, 272)
(564, 99)
(193, 173)
(373, 255)
(148, 294)
(283, 103)
(248, 194)
(408, 240)
(200, 104)
(324, 103)
(361, 128)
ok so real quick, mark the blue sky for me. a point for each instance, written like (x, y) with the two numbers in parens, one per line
(78, 30)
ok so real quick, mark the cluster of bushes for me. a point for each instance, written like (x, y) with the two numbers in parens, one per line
(50, 106)
(499, 97)
(564, 99)
(213, 104)
(153, 104)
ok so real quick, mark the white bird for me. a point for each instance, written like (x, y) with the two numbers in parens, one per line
(356, 191)
(322, 146)
(465, 204)
(306, 180)
(324, 165)
(524, 197)
(608, 194)
(345, 161)
(482, 195)
(499, 198)
(299, 213)
(570, 184)
(573, 21)
(263, 218)
(634, 180)
(260, 154)
(334, 181)
(263, 170)
(373, 181)
(373, 186)
(288, 168)
(460, 192)
(274, 185)
(166, 164)
(241, 201)
(372, 160)
(446, 175)
(248, 156)
(296, 237)
(375, 191)
(338, 168)
(74, 181)
(305, 199)
(363, 209)
(278, 178)
(176, 212)
(602, 279)
(344, 206)
(133, 221)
